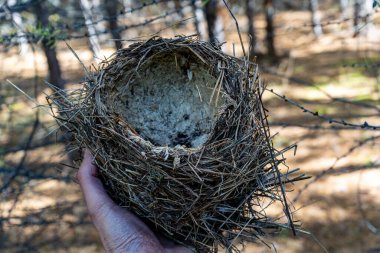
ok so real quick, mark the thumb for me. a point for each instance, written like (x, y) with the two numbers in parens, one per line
(94, 193)
(117, 227)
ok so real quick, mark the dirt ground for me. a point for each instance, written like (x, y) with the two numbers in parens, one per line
(339, 212)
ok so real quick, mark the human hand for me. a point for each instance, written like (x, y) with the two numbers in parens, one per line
(119, 229)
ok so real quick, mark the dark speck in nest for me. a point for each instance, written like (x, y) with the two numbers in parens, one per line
(182, 139)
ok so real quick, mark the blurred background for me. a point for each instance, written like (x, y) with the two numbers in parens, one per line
(320, 60)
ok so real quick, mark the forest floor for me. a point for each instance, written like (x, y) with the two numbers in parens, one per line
(339, 211)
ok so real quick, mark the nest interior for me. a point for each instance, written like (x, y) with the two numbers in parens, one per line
(167, 100)
(179, 133)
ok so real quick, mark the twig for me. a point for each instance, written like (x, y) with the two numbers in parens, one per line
(274, 164)
(332, 167)
(21, 163)
(237, 27)
(331, 120)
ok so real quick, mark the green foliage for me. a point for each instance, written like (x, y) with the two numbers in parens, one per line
(282, 141)
(354, 79)
(54, 19)
(325, 109)
(364, 98)
(299, 69)
(204, 2)
(2, 162)
(47, 34)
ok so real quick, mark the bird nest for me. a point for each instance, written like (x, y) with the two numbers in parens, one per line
(180, 136)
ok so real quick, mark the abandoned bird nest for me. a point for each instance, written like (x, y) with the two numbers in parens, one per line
(180, 136)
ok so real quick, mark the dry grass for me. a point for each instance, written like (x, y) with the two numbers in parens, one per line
(201, 196)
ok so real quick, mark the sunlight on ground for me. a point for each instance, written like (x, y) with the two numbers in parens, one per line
(332, 209)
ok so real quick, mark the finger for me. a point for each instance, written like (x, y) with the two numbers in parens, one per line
(97, 200)
(110, 220)
(92, 187)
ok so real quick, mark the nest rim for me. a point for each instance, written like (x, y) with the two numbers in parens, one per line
(181, 49)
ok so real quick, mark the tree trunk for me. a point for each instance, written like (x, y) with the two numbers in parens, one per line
(362, 11)
(343, 8)
(199, 17)
(315, 18)
(17, 21)
(196, 21)
(214, 23)
(210, 12)
(55, 74)
(111, 8)
(250, 12)
(356, 14)
(93, 35)
(269, 16)
(179, 8)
